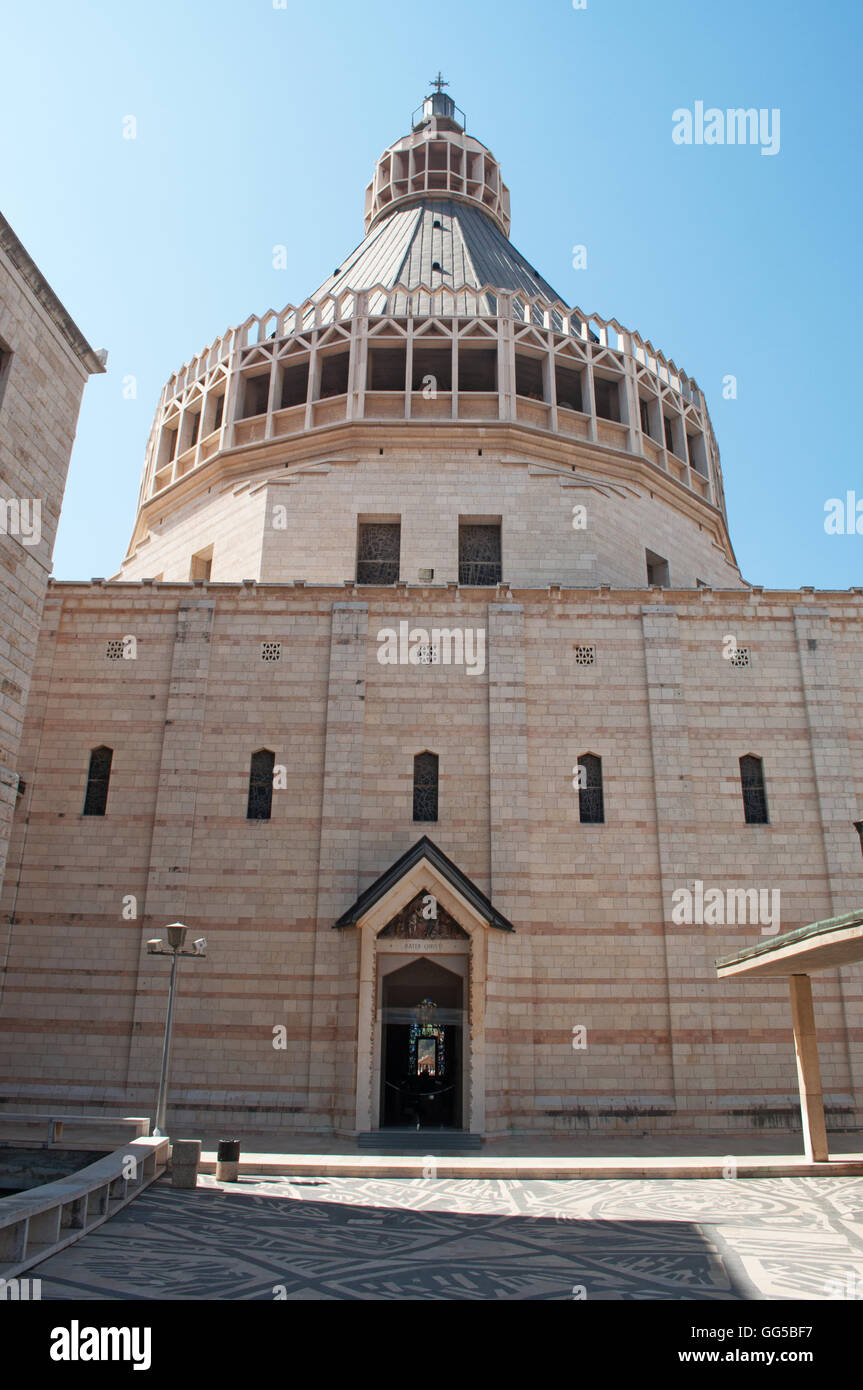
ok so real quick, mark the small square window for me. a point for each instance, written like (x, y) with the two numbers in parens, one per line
(657, 569)
(271, 651)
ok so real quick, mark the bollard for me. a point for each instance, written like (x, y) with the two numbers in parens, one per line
(185, 1157)
(228, 1160)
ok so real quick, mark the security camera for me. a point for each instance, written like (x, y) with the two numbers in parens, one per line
(154, 946)
(200, 945)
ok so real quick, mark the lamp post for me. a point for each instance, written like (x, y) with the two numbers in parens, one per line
(176, 936)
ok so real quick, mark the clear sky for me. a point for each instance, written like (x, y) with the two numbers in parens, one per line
(259, 126)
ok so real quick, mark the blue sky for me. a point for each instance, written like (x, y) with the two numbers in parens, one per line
(259, 126)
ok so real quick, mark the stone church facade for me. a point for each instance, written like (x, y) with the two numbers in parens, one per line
(431, 693)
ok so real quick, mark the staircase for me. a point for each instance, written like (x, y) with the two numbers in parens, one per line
(419, 1141)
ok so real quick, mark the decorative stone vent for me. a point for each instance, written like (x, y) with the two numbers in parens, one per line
(585, 656)
(271, 651)
(740, 657)
(428, 655)
(114, 649)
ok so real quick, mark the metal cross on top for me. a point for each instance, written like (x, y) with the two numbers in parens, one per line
(438, 82)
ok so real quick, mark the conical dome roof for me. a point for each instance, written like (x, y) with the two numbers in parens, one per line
(437, 215)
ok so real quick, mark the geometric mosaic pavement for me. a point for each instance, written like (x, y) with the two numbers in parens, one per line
(482, 1239)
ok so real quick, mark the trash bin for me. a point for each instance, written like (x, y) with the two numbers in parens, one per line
(228, 1160)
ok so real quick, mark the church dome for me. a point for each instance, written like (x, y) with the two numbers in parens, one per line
(434, 339)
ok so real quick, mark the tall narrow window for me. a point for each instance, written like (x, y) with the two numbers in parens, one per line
(644, 410)
(528, 377)
(5, 359)
(295, 384)
(754, 793)
(568, 383)
(378, 547)
(479, 553)
(334, 375)
(261, 785)
(591, 803)
(256, 392)
(98, 777)
(425, 786)
(607, 396)
(669, 434)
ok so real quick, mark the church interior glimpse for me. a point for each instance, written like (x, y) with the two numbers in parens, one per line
(421, 1049)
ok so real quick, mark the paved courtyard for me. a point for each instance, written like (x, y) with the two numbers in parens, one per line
(354, 1238)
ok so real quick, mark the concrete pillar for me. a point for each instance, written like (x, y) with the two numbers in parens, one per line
(838, 807)
(185, 1157)
(332, 1062)
(510, 890)
(808, 1070)
(173, 828)
(689, 950)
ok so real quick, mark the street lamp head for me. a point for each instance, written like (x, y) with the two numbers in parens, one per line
(154, 946)
(176, 935)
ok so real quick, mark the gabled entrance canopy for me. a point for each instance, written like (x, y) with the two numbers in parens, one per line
(425, 855)
(820, 946)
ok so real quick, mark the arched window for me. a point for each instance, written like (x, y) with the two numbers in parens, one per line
(425, 786)
(98, 777)
(752, 786)
(261, 785)
(591, 804)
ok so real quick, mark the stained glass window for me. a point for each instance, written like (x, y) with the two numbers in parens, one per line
(479, 553)
(378, 552)
(425, 786)
(754, 792)
(591, 804)
(427, 1042)
(98, 777)
(260, 802)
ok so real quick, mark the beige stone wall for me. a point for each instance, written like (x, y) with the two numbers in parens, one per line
(299, 521)
(668, 1046)
(40, 395)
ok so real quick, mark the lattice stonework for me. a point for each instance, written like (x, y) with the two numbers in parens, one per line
(378, 553)
(479, 554)
(585, 656)
(740, 657)
(114, 649)
(428, 655)
(271, 651)
(411, 925)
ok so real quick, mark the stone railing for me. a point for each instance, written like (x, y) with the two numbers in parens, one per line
(140, 1125)
(232, 395)
(38, 1223)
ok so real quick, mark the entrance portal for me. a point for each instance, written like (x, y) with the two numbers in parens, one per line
(421, 1063)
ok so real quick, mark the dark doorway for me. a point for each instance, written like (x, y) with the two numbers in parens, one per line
(421, 1050)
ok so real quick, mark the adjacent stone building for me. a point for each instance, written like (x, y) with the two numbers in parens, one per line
(44, 365)
(430, 692)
